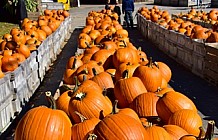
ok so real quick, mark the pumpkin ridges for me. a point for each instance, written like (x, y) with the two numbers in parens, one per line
(175, 131)
(126, 89)
(145, 104)
(37, 115)
(188, 119)
(150, 76)
(171, 102)
(82, 129)
(157, 132)
(120, 127)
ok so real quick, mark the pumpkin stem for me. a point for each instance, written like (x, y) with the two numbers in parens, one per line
(210, 130)
(64, 88)
(156, 64)
(101, 115)
(100, 63)
(106, 47)
(80, 96)
(140, 49)
(74, 63)
(92, 137)
(84, 78)
(159, 95)
(150, 62)
(94, 71)
(125, 74)
(76, 84)
(82, 118)
(202, 133)
(159, 89)
(50, 99)
(153, 119)
(104, 92)
(85, 71)
(115, 110)
(124, 42)
(88, 46)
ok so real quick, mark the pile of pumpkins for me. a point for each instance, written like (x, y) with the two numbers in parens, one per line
(207, 17)
(16, 46)
(194, 31)
(113, 91)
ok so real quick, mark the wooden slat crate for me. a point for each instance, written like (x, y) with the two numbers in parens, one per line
(6, 113)
(211, 63)
(33, 15)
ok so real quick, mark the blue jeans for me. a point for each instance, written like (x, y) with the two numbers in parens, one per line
(129, 18)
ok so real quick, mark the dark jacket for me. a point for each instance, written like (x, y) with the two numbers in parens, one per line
(117, 10)
(21, 11)
(107, 7)
(127, 5)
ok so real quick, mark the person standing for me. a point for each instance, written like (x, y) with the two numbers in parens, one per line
(117, 10)
(21, 12)
(128, 9)
(107, 6)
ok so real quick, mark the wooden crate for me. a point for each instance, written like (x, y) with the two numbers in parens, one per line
(22, 93)
(17, 76)
(198, 47)
(172, 48)
(211, 63)
(33, 80)
(6, 113)
(33, 15)
(6, 87)
(198, 64)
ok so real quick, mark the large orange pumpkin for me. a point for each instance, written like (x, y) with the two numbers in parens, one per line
(119, 127)
(85, 127)
(127, 88)
(42, 123)
(188, 119)
(171, 102)
(89, 101)
(175, 131)
(150, 76)
(157, 133)
(145, 104)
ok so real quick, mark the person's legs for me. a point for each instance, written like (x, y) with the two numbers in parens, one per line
(131, 19)
(119, 20)
(127, 18)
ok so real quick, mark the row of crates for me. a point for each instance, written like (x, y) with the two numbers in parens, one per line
(194, 54)
(18, 86)
(182, 3)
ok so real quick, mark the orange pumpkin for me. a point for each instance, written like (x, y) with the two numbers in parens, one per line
(158, 133)
(187, 119)
(171, 102)
(127, 88)
(23, 49)
(145, 104)
(86, 125)
(150, 76)
(9, 63)
(52, 124)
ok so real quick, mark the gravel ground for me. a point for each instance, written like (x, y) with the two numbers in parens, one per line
(199, 91)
